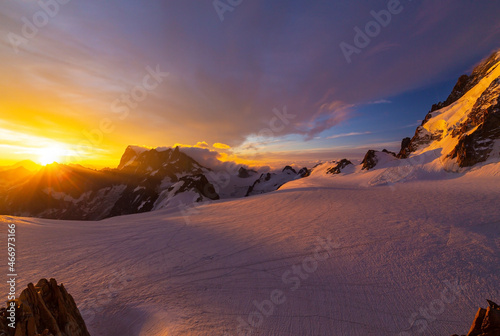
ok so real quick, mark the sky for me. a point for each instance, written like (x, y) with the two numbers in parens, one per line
(252, 81)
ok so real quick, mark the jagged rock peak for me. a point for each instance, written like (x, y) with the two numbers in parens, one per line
(389, 152)
(475, 147)
(337, 169)
(131, 152)
(44, 309)
(465, 126)
(290, 169)
(370, 160)
(245, 173)
(144, 160)
(373, 158)
(466, 82)
(304, 172)
(486, 322)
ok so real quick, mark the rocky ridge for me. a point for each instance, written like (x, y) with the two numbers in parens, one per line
(465, 128)
(44, 309)
(486, 322)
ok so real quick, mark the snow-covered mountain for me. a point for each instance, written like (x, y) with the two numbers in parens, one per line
(145, 180)
(273, 181)
(464, 130)
(338, 254)
(459, 133)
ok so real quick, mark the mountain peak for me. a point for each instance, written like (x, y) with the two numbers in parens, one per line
(27, 164)
(467, 82)
(465, 126)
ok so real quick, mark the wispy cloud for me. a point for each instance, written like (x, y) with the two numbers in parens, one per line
(380, 101)
(335, 136)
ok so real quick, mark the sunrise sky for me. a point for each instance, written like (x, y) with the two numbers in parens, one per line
(81, 80)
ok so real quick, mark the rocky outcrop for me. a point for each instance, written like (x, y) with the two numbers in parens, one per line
(486, 322)
(466, 82)
(373, 158)
(304, 172)
(44, 309)
(337, 169)
(388, 152)
(405, 150)
(421, 138)
(475, 147)
(467, 132)
(273, 181)
(246, 173)
(370, 160)
(289, 169)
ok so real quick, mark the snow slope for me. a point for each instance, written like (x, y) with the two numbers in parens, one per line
(403, 258)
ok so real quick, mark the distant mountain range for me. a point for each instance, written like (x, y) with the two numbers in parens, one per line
(145, 180)
(461, 132)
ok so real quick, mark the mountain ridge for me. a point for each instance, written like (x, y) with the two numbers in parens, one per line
(459, 133)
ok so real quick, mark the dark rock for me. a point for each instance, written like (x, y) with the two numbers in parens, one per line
(493, 305)
(404, 145)
(465, 82)
(476, 147)
(273, 181)
(389, 152)
(421, 138)
(304, 172)
(370, 160)
(337, 169)
(45, 309)
(289, 169)
(199, 183)
(486, 321)
(245, 173)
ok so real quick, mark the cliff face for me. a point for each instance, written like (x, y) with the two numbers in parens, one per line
(43, 309)
(466, 127)
(466, 82)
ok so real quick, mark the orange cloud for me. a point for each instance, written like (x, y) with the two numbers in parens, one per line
(221, 146)
(201, 144)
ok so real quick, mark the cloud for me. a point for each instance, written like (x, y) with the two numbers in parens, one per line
(380, 101)
(94, 52)
(201, 144)
(347, 135)
(327, 116)
(219, 161)
(219, 145)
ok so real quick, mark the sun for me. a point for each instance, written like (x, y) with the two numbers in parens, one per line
(51, 154)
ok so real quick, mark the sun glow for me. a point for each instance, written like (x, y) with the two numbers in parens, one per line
(51, 154)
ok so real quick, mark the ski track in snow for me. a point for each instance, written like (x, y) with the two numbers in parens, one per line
(156, 274)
